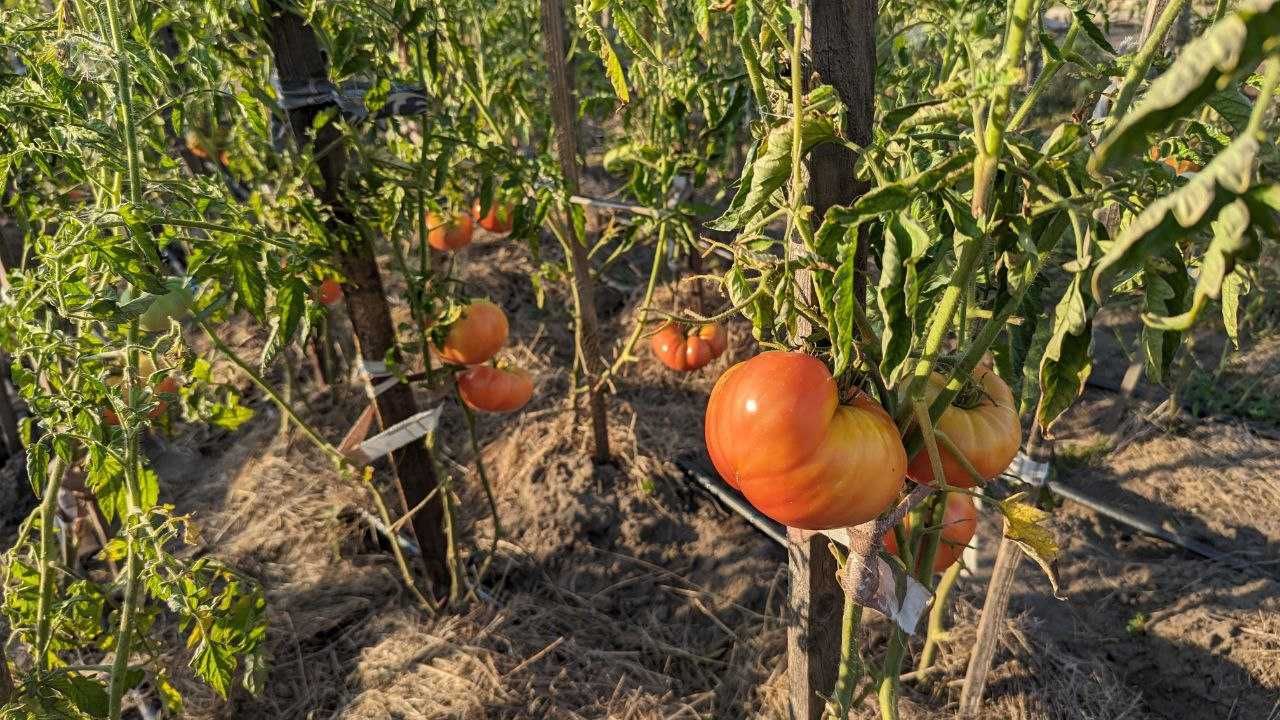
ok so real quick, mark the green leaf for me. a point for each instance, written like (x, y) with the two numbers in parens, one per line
(904, 244)
(887, 198)
(251, 286)
(378, 94)
(1233, 106)
(291, 306)
(1230, 48)
(702, 18)
(1232, 288)
(840, 325)
(1232, 241)
(613, 69)
(88, 695)
(215, 665)
(772, 167)
(898, 115)
(631, 37)
(1181, 213)
(1067, 359)
(1094, 32)
(1166, 287)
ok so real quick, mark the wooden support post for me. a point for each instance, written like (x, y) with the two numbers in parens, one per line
(564, 114)
(995, 608)
(840, 51)
(299, 59)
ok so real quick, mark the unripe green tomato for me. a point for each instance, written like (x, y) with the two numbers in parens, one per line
(173, 304)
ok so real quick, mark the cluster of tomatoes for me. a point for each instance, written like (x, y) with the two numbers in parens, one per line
(454, 233)
(777, 431)
(481, 331)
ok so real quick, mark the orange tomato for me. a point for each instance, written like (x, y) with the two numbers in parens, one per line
(776, 431)
(498, 218)
(685, 352)
(452, 234)
(985, 429)
(959, 523)
(497, 390)
(477, 335)
(329, 292)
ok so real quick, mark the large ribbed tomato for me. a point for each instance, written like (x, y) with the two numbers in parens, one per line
(451, 234)
(959, 523)
(776, 431)
(477, 335)
(685, 352)
(983, 424)
(493, 389)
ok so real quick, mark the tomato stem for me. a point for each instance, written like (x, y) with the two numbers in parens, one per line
(48, 511)
(937, 614)
(641, 313)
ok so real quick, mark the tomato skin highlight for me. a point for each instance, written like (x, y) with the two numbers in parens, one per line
(688, 352)
(496, 390)
(476, 336)
(959, 524)
(988, 435)
(452, 234)
(329, 292)
(776, 431)
(498, 219)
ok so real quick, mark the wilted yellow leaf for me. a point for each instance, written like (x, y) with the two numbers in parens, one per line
(1025, 525)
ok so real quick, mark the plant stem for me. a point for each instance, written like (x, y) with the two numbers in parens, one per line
(940, 321)
(133, 560)
(275, 397)
(1047, 74)
(851, 669)
(124, 87)
(642, 313)
(48, 512)
(937, 614)
(1142, 61)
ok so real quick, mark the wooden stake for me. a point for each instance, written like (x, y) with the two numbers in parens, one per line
(564, 113)
(840, 45)
(995, 608)
(299, 58)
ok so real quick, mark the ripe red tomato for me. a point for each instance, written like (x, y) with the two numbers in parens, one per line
(329, 292)
(166, 387)
(685, 352)
(497, 390)
(959, 523)
(498, 219)
(477, 335)
(775, 430)
(984, 427)
(452, 234)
